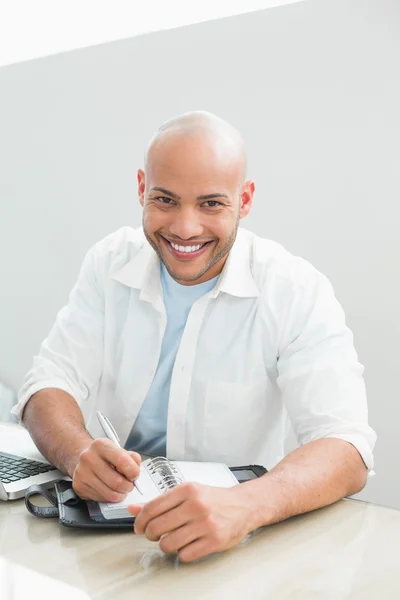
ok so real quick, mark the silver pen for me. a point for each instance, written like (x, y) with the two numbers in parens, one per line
(112, 435)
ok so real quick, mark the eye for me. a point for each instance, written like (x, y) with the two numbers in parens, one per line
(164, 199)
(213, 203)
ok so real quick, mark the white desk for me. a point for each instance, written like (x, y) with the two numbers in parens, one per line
(348, 550)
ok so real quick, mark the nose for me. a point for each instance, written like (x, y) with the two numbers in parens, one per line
(186, 224)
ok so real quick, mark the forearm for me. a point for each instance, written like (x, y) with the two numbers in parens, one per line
(312, 476)
(56, 424)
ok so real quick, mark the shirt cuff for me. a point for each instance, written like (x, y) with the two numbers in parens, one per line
(361, 444)
(26, 392)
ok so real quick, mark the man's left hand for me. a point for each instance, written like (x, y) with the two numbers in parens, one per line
(195, 520)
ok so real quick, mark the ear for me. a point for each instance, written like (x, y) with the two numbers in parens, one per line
(141, 185)
(246, 198)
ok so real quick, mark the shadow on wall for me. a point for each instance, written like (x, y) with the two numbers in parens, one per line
(8, 397)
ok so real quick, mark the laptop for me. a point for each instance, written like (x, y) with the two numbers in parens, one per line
(21, 464)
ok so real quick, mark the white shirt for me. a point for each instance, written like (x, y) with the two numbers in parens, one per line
(268, 341)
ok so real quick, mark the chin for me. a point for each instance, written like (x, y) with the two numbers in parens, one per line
(189, 275)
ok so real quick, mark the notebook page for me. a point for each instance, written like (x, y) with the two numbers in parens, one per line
(110, 510)
(208, 473)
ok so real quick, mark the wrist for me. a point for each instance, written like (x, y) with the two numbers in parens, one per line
(253, 499)
(72, 460)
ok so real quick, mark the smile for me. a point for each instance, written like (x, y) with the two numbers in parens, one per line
(186, 252)
(186, 248)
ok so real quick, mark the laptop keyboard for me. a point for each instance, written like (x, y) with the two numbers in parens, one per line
(14, 468)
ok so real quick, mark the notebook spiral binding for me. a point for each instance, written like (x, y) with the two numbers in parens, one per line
(169, 474)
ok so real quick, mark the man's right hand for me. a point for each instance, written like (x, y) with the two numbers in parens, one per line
(105, 472)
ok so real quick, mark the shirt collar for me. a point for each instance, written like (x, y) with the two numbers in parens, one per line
(143, 271)
(236, 277)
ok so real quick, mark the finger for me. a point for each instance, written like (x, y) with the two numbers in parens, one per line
(95, 489)
(118, 457)
(134, 509)
(168, 501)
(114, 480)
(155, 508)
(91, 465)
(136, 456)
(175, 518)
(90, 493)
(195, 550)
(180, 538)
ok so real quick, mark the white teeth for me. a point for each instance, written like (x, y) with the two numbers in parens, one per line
(186, 248)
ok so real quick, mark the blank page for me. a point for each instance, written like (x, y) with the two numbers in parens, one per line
(208, 473)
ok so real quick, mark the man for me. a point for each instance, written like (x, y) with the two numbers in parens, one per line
(196, 338)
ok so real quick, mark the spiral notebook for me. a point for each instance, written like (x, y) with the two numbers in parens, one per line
(158, 475)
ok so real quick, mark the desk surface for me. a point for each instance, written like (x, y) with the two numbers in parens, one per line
(348, 550)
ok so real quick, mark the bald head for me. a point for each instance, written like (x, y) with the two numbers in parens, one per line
(202, 133)
(193, 193)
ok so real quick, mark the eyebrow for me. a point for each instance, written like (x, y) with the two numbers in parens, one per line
(176, 197)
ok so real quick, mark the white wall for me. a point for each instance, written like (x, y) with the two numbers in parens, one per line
(313, 86)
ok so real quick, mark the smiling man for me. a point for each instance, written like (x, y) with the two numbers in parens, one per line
(198, 339)
(191, 231)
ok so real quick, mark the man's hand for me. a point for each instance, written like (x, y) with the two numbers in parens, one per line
(105, 472)
(195, 520)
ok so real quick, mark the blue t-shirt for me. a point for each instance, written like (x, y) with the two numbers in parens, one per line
(148, 434)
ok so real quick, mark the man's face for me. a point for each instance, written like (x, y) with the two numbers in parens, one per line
(193, 197)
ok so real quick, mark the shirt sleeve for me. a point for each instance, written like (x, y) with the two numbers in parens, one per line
(319, 374)
(70, 358)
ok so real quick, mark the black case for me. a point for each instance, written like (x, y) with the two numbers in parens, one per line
(72, 511)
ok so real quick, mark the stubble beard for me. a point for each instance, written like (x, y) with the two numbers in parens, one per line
(217, 255)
